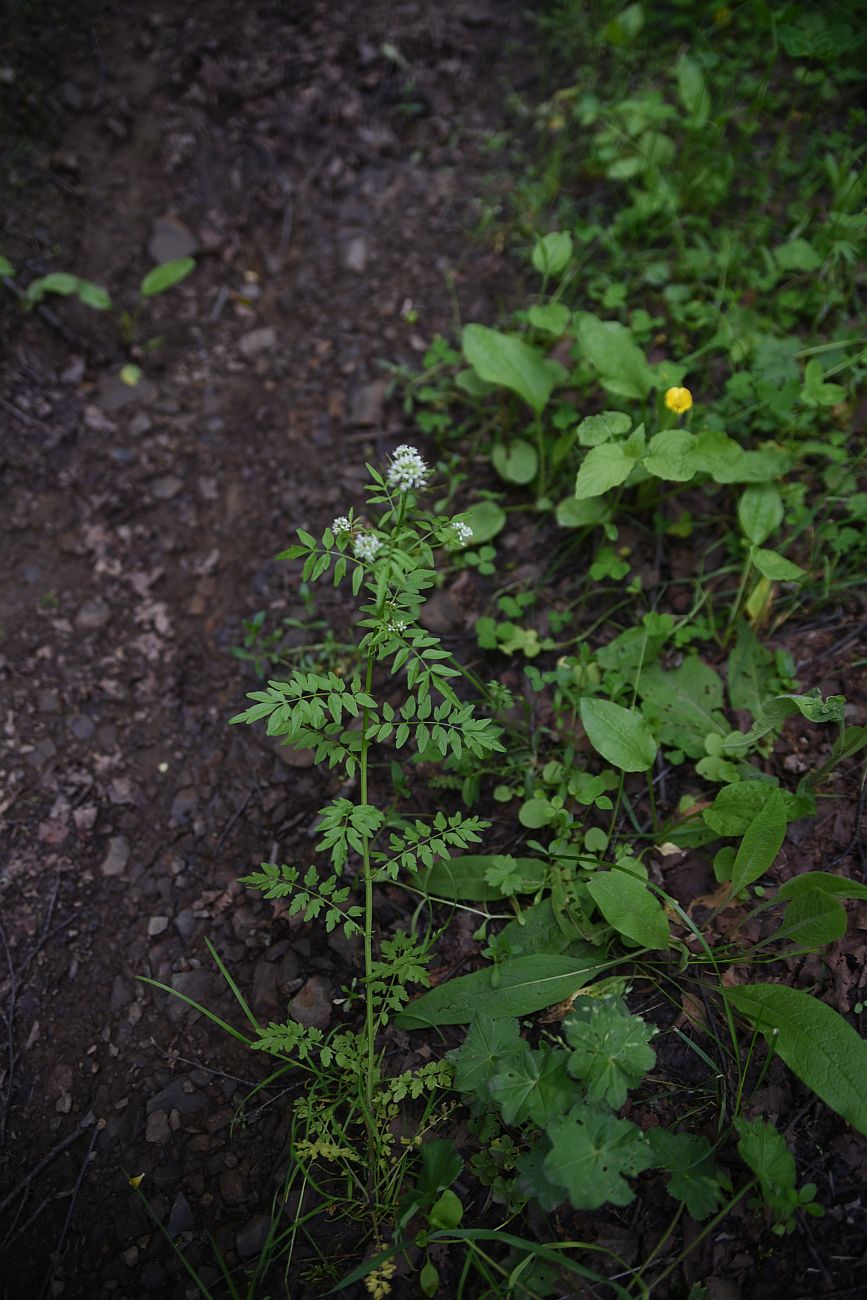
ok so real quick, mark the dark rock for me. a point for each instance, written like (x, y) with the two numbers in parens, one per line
(121, 993)
(158, 1131)
(170, 239)
(181, 1217)
(366, 404)
(178, 1096)
(153, 1278)
(311, 1005)
(252, 1237)
(115, 861)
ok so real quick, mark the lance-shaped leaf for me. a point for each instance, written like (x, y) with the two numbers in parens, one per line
(810, 706)
(628, 905)
(761, 843)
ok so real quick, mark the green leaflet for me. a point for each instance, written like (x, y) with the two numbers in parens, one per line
(695, 1180)
(612, 351)
(761, 843)
(628, 905)
(760, 512)
(552, 252)
(166, 275)
(517, 987)
(814, 1040)
(750, 672)
(692, 91)
(813, 916)
(670, 455)
(516, 462)
(487, 1043)
(604, 467)
(486, 519)
(596, 429)
(737, 805)
(763, 1149)
(510, 362)
(621, 736)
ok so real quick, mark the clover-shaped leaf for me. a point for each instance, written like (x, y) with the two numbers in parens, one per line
(591, 1152)
(611, 1051)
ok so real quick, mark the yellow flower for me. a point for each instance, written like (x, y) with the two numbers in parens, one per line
(378, 1282)
(678, 400)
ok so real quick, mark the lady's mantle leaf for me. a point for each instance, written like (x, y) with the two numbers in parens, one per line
(620, 735)
(815, 1041)
(764, 1151)
(591, 1152)
(533, 1086)
(611, 1051)
(484, 1047)
(695, 1180)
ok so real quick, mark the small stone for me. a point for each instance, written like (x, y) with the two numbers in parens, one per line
(179, 1095)
(130, 1257)
(115, 860)
(255, 342)
(153, 1278)
(186, 922)
(166, 487)
(183, 805)
(311, 1005)
(157, 925)
(170, 239)
(198, 985)
(121, 993)
(158, 1130)
(81, 727)
(233, 1186)
(265, 996)
(139, 424)
(181, 1217)
(294, 757)
(93, 615)
(366, 404)
(252, 1237)
(355, 254)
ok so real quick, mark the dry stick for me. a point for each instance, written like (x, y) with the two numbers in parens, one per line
(58, 1250)
(46, 1160)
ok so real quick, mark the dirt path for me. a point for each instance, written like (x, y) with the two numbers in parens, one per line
(320, 159)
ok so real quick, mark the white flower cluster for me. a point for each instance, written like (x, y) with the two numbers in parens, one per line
(463, 533)
(396, 625)
(366, 547)
(341, 525)
(407, 469)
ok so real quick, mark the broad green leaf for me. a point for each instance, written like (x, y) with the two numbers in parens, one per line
(750, 672)
(760, 512)
(692, 89)
(603, 467)
(551, 253)
(755, 466)
(537, 812)
(486, 519)
(533, 1086)
(670, 456)
(7, 270)
(612, 351)
(813, 919)
(166, 275)
(771, 564)
(797, 255)
(469, 382)
(596, 429)
(553, 318)
(810, 706)
(510, 362)
(716, 454)
(628, 905)
(535, 930)
(464, 877)
(611, 1049)
(592, 1152)
(92, 295)
(695, 1179)
(621, 736)
(761, 843)
(763, 1149)
(625, 27)
(447, 1211)
(684, 705)
(573, 513)
(517, 987)
(836, 886)
(636, 647)
(815, 391)
(60, 282)
(487, 1043)
(736, 806)
(516, 462)
(440, 1166)
(814, 1040)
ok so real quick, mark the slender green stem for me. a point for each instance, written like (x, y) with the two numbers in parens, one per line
(369, 1020)
(736, 607)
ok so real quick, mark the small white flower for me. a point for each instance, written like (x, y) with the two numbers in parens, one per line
(341, 525)
(396, 625)
(463, 533)
(366, 546)
(407, 469)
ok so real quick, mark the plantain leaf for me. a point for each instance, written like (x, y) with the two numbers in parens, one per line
(510, 362)
(621, 736)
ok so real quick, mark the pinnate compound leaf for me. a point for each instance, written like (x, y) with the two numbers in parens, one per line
(533, 1086)
(592, 1153)
(604, 467)
(628, 905)
(611, 1049)
(516, 987)
(814, 1040)
(621, 736)
(487, 1043)
(761, 843)
(695, 1180)
(510, 362)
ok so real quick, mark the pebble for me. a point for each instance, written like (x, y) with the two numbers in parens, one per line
(255, 342)
(115, 860)
(81, 727)
(185, 922)
(170, 239)
(93, 615)
(366, 404)
(166, 487)
(233, 1186)
(121, 993)
(157, 925)
(181, 1217)
(158, 1130)
(139, 424)
(252, 1237)
(311, 1005)
(179, 1096)
(355, 254)
(153, 1278)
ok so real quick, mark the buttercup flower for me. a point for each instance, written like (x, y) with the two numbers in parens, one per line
(366, 547)
(678, 400)
(407, 469)
(341, 525)
(463, 533)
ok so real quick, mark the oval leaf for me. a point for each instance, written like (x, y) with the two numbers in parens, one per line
(620, 735)
(485, 518)
(628, 905)
(503, 359)
(760, 512)
(165, 275)
(814, 1040)
(762, 842)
